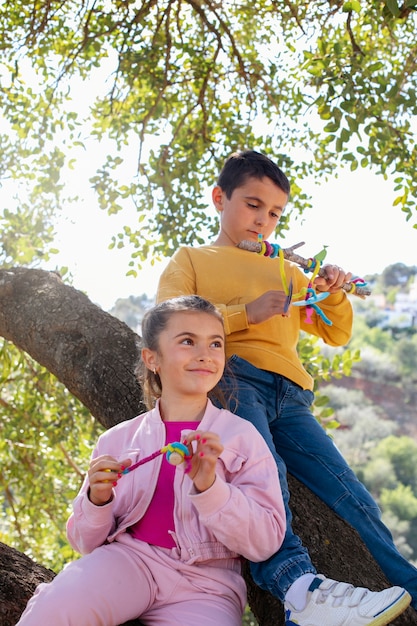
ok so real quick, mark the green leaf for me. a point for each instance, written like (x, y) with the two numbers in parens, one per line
(393, 7)
(352, 5)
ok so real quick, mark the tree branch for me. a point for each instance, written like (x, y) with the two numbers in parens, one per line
(84, 347)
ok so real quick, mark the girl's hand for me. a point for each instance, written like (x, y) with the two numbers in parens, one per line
(334, 279)
(204, 448)
(103, 474)
(266, 306)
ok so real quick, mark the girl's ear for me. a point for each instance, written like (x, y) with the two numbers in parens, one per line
(217, 197)
(149, 357)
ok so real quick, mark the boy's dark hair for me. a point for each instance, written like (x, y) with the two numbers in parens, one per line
(240, 166)
(154, 322)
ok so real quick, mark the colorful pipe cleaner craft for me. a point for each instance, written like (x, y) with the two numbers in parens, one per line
(310, 297)
(176, 453)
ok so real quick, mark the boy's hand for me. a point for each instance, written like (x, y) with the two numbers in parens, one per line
(204, 454)
(103, 474)
(334, 279)
(266, 306)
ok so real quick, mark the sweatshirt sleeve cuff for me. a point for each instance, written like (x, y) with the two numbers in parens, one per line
(96, 514)
(334, 298)
(213, 499)
(235, 317)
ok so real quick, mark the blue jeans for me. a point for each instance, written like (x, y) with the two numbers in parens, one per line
(281, 412)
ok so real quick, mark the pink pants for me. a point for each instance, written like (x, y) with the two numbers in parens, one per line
(129, 579)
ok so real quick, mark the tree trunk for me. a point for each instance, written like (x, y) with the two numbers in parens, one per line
(94, 355)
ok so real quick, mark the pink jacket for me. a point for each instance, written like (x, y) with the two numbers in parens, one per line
(241, 514)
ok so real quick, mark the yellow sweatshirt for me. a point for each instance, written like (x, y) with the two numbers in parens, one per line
(229, 278)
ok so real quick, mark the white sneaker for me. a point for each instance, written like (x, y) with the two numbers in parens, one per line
(331, 603)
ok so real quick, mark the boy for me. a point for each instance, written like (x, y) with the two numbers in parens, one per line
(272, 390)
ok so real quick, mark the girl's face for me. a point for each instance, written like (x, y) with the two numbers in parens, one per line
(191, 355)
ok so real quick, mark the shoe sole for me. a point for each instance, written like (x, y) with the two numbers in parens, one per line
(394, 611)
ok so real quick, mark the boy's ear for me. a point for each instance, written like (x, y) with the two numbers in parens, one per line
(150, 359)
(217, 197)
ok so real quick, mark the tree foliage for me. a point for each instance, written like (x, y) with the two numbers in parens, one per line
(46, 437)
(315, 84)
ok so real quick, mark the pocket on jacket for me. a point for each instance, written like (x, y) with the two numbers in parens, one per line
(232, 460)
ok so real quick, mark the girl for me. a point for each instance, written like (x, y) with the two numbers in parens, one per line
(162, 543)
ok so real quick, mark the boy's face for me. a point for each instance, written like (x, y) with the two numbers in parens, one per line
(253, 209)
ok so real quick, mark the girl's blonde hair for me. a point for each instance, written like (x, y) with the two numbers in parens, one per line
(154, 322)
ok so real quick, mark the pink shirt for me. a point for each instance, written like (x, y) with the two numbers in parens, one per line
(157, 525)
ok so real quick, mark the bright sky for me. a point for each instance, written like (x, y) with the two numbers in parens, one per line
(353, 215)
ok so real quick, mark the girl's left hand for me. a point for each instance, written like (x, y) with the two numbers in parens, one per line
(204, 447)
(335, 278)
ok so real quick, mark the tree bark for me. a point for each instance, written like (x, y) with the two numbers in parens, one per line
(91, 352)
(94, 355)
